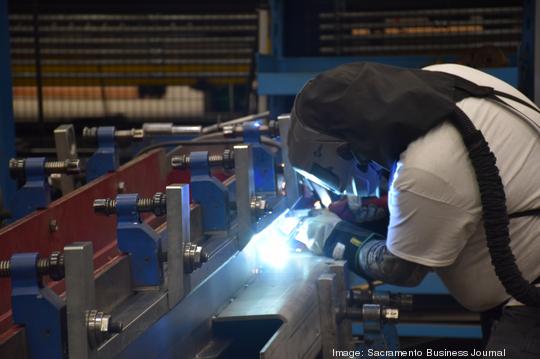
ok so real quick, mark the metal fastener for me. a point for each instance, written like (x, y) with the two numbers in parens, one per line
(157, 204)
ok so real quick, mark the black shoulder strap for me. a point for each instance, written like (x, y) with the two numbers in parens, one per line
(465, 87)
(513, 98)
(526, 213)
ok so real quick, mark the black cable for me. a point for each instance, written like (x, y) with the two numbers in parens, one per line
(494, 212)
(226, 141)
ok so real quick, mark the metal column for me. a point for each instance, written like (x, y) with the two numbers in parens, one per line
(7, 125)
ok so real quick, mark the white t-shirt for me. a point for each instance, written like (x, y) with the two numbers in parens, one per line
(434, 202)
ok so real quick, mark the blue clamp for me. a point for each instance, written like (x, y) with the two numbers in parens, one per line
(377, 334)
(210, 193)
(264, 170)
(35, 193)
(105, 159)
(37, 308)
(140, 241)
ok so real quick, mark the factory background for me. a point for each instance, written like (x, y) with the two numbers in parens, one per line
(150, 68)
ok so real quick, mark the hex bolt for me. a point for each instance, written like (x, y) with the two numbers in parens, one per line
(99, 326)
(225, 160)
(135, 134)
(89, 133)
(53, 266)
(53, 225)
(393, 300)
(259, 206)
(194, 257)
(121, 187)
(157, 205)
(390, 314)
(69, 166)
(273, 128)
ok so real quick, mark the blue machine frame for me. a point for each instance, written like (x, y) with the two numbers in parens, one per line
(37, 308)
(210, 193)
(35, 193)
(264, 170)
(105, 159)
(140, 241)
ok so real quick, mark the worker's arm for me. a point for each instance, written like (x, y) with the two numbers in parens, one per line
(427, 228)
(367, 255)
(365, 251)
(376, 262)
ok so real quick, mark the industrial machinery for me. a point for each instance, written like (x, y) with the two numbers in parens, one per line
(187, 253)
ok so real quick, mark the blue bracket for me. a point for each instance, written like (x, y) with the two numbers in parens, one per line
(210, 193)
(35, 193)
(105, 159)
(263, 160)
(140, 241)
(378, 335)
(37, 308)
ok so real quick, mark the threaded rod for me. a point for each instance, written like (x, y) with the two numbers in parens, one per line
(157, 204)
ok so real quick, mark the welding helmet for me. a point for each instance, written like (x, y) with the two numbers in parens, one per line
(329, 161)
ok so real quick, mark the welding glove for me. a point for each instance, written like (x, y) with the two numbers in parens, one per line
(316, 228)
(324, 233)
(360, 209)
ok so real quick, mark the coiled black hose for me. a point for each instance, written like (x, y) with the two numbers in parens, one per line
(494, 212)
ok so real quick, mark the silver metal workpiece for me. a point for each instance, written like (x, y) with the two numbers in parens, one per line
(291, 180)
(178, 233)
(326, 291)
(243, 163)
(344, 326)
(80, 296)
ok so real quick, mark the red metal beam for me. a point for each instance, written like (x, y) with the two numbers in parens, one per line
(77, 222)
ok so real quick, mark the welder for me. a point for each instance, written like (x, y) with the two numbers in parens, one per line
(459, 151)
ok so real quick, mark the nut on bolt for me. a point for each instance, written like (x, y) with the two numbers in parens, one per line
(225, 160)
(157, 204)
(53, 266)
(390, 314)
(99, 326)
(69, 166)
(259, 206)
(194, 257)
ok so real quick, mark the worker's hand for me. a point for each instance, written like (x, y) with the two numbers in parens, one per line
(324, 233)
(316, 229)
(360, 209)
